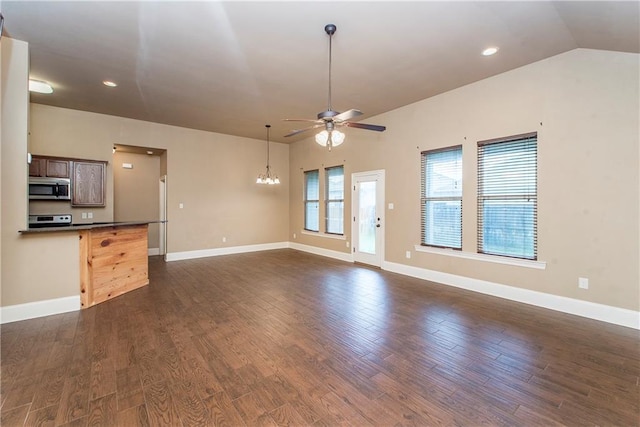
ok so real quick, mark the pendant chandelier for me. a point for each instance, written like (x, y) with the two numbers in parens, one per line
(268, 177)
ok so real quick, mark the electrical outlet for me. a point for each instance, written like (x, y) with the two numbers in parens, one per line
(181, 205)
(90, 215)
(583, 283)
(390, 206)
(224, 239)
(84, 215)
(408, 254)
(347, 244)
(294, 235)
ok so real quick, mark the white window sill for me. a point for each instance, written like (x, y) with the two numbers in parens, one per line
(539, 265)
(325, 235)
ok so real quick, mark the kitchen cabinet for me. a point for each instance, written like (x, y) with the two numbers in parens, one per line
(49, 167)
(88, 182)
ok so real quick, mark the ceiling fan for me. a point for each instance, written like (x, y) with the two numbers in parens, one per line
(331, 119)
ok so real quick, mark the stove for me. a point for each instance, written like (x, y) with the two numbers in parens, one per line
(40, 221)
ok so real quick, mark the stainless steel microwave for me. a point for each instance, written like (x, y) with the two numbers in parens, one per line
(49, 188)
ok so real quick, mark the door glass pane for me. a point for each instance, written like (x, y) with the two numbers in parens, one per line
(367, 216)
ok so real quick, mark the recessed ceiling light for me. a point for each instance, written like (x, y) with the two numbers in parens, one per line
(39, 87)
(109, 83)
(489, 51)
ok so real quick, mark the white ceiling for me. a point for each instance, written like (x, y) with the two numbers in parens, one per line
(231, 67)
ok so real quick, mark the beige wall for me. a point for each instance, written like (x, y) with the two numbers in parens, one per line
(212, 175)
(59, 135)
(136, 191)
(584, 104)
(39, 267)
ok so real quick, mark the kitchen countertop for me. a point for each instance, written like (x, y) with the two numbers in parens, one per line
(77, 227)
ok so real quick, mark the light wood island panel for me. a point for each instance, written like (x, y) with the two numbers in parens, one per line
(113, 261)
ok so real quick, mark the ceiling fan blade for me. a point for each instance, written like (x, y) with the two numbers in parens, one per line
(298, 131)
(347, 115)
(377, 128)
(303, 120)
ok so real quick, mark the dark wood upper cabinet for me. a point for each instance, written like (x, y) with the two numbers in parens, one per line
(58, 168)
(88, 183)
(55, 168)
(87, 177)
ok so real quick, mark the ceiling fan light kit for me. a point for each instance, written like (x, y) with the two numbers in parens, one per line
(330, 139)
(329, 119)
(268, 177)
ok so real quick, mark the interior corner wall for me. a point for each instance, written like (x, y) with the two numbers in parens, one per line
(584, 105)
(1, 103)
(55, 255)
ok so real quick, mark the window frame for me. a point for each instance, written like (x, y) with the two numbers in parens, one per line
(307, 201)
(506, 196)
(424, 199)
(328, 201)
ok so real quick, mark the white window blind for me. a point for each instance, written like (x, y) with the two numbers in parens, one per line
(441, 201)
(507, 196)
(334, 203)
(312, 200)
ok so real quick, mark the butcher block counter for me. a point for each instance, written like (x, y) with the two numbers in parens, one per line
(113, 258)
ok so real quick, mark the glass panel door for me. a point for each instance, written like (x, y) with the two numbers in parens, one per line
(368, 217)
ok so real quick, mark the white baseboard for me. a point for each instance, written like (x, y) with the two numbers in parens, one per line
(203, 253)
(31, 310)
(342, 256)
(153, 251)
(604, 313)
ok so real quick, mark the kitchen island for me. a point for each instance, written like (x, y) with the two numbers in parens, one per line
(113, 258)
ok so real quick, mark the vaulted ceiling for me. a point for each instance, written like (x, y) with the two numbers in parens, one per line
(231, 67)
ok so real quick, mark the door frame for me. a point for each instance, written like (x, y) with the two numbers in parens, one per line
(378, 175)
(162, 227)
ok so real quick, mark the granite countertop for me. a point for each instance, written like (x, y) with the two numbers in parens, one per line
(77, 227)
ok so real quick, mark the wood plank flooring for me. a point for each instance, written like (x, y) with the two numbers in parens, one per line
(288, 338)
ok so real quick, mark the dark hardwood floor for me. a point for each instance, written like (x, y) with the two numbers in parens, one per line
(288, 338)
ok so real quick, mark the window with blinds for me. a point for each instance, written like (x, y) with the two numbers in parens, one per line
(441, 200)
(507, 196)
(312, 200)
(334, 203)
